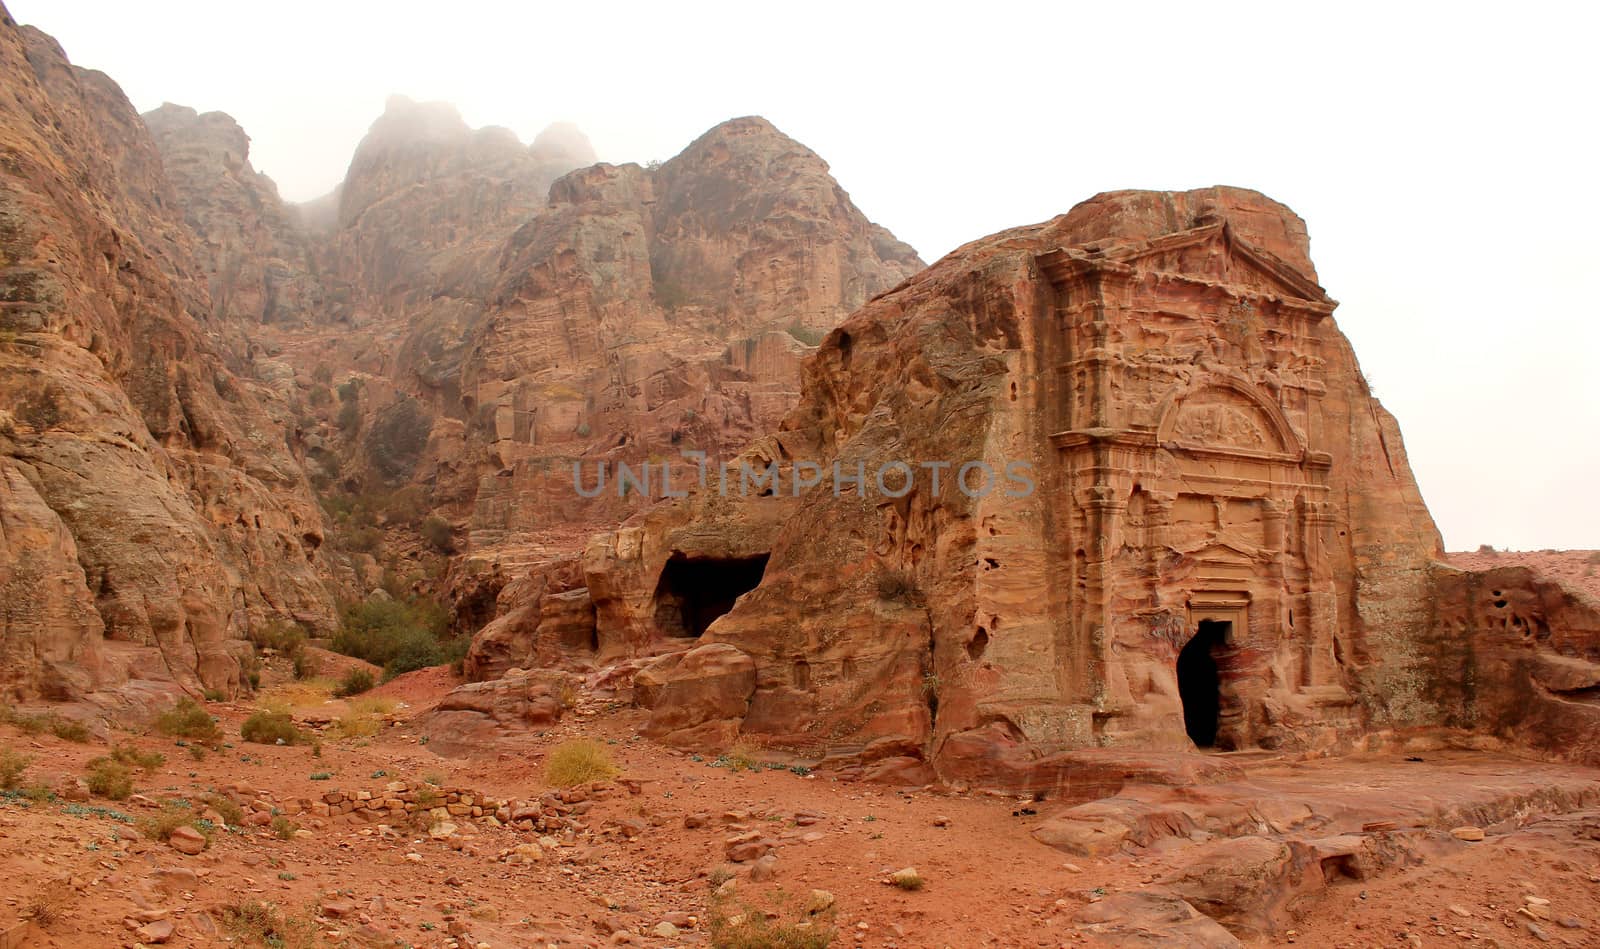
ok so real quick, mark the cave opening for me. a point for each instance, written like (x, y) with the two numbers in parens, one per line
(1200, 682)
(694, 591)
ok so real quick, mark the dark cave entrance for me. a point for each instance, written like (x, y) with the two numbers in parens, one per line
(694, 591)
(1200, 682)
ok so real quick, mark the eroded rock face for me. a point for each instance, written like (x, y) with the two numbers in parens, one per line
(154, 482)
(1196, 445)
(1519, 657)
(257, 260)
(651, 310)
(473, 716)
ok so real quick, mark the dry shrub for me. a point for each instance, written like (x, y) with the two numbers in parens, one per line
(188, 719)
(262, 924)
(232, 813)
(110, 779)
(742, 757)
(579, 762)
(749, 927)
(173, 815)
(146, 761)
(12, 765)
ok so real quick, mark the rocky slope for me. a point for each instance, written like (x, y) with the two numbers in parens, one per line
(152, 510)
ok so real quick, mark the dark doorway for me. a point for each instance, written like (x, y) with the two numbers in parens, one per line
(1200, 684)
(694, 591)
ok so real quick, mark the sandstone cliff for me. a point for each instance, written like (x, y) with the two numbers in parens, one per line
(488, 313)
(152, 512)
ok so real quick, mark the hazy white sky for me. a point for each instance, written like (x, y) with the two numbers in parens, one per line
(1443, 155)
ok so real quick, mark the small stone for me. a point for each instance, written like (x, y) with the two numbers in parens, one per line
(665, 930)
(1535, 901)
(414, 857)
(907, 877)
(1471, 834)
(819, 901)
(942, 821)
(1570, 922)
(157, 932)
(765, 869)
(187, 840)
(1461, 911)
(442, 830)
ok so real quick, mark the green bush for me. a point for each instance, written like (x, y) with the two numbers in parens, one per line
(189, 720)
(355, 682)
(439, 535)
(399, 636)
(269, 728)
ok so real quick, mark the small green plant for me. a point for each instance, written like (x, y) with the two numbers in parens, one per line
(12, 765)
(283, 828)
(321, 775)
(286, 876)
(911, 882)
(270, 728)
(579, 762)
(188, 719)
(355, 682)
(197, 752)
(110, 779)
(434, 778)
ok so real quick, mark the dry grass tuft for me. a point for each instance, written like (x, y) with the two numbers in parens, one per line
(783, 928)
(262, 924)
(579, 762)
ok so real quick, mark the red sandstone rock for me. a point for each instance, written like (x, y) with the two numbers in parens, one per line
(125, 434)
(705, 697)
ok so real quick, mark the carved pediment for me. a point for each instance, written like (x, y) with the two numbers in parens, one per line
(1211, 253)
